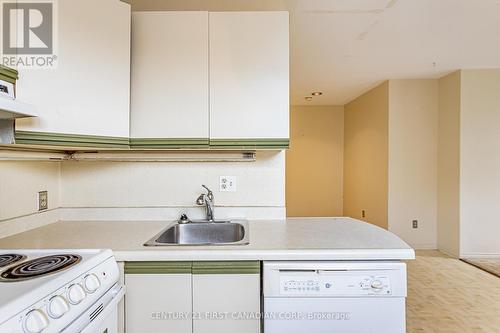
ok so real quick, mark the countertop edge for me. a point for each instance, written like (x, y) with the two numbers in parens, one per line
(272, 255)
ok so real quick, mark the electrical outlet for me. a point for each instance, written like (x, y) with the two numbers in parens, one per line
(414, 224)
(363, 213)
(43, 202)
(227, 183)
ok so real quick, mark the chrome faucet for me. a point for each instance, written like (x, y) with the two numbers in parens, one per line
(208, 201)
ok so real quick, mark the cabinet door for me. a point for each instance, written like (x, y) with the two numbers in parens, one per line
(223, 294)
(169, 101)
(249, 81)
(84, 100)
(157, 295)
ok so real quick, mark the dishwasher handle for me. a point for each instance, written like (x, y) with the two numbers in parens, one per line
(297, 271)
(325, 271)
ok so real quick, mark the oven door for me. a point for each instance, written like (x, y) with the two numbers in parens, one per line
(102, 316)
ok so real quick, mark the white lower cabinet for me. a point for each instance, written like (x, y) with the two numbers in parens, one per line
(156, 291)
(198, 297)
(226, 297)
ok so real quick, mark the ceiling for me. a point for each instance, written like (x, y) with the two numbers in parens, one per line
(345, 47)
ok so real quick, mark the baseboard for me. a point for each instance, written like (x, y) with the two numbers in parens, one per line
(448, 253)
(480, 256)
(423, 246)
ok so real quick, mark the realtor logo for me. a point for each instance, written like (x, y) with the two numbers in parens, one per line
(28, 33)
(27, 28)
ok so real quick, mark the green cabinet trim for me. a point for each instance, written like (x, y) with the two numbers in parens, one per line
(158, 267)
(226, 267)
(250, 143)
(9, 72)
(196, 267)
(166, 143)
(92, 141)
(7, 78)
(59, 139)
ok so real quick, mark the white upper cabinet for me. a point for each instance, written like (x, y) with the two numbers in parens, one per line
(169, 98)
(187, 80)
(249, 77)
(85, 99)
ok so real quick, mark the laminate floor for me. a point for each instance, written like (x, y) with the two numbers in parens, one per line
(446, 295)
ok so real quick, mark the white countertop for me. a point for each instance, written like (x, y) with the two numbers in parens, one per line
(290, 239)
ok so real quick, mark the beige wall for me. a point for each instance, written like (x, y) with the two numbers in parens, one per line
(448, 216)
(413, 141)
(314, 162)
(366, 156)
(480, 163)
(20, 183)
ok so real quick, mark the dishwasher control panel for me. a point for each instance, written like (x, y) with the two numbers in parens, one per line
(334, 284)
(309, 279)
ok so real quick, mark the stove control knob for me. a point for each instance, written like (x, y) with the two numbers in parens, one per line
(58, 306)
(91, 283)
(377, 284)
(76, 294)
(36, 321)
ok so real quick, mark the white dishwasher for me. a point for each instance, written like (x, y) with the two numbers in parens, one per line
(340, 297)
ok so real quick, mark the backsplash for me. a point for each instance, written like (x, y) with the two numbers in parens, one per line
(137, 190)
(172, 184)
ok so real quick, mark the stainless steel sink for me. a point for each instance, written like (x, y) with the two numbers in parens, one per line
(203, 233)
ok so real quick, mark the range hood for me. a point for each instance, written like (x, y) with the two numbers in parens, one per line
(11, 108)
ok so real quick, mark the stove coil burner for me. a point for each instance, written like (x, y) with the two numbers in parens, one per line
(39, 267)
(10, 258)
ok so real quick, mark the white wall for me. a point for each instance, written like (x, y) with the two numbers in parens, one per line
(176, 185)
(413, 141)
(480, 163)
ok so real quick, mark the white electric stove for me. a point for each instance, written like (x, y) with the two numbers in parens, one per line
(59, 291)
